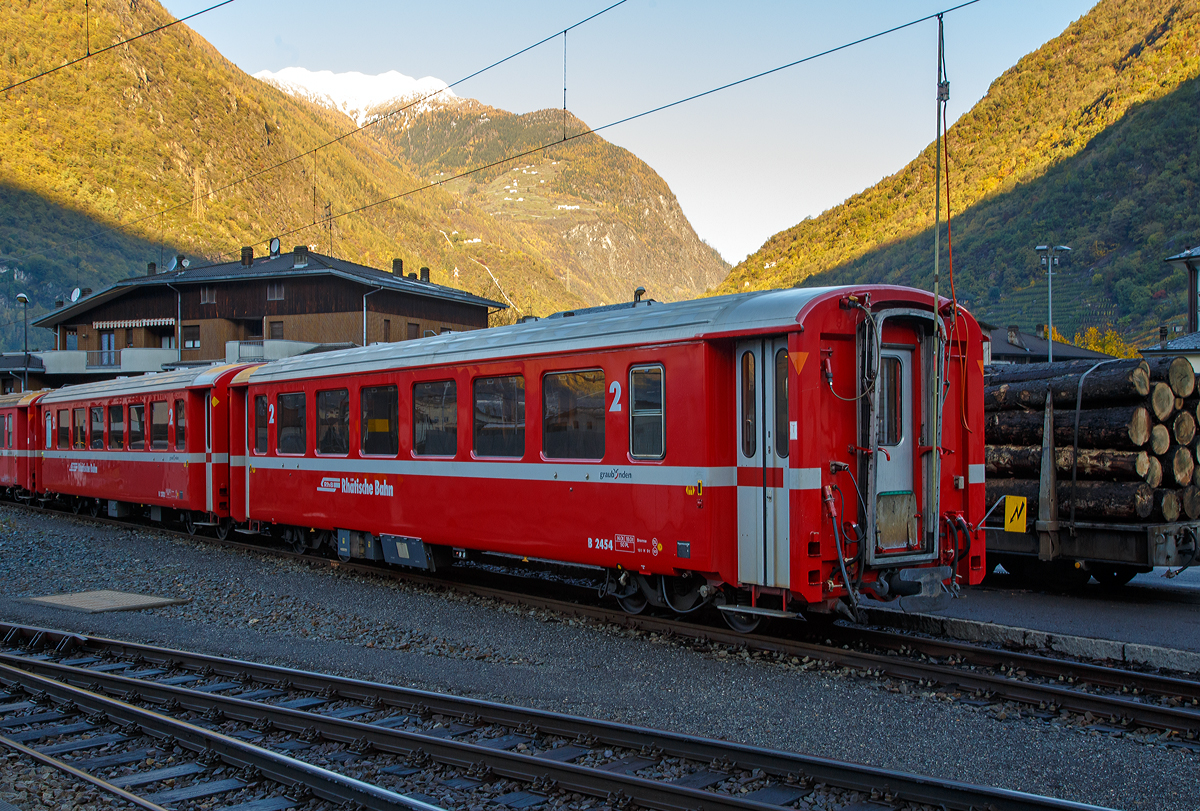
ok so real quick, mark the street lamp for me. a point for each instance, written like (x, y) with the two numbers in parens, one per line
(1050, 262)
(24, 300)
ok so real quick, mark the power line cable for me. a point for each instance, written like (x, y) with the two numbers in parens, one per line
(338, 139)
(91, 53)
(594, 130)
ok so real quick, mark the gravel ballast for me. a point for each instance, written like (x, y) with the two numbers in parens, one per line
(288, 613)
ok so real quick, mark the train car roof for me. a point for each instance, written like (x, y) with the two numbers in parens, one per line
(142, 384)
(600, 328)
(19, 398)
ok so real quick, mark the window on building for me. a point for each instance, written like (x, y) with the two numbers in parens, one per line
(573, 415)
(380, 421)
(414, 331)
(64, 429)
(71, 339)
(387, 330)
(168, 341)
(79, 434)
(191, 337)
(499, 416)
(97, 417)
(274, 291)
(180, 425)
(290, 423)
(159, 420)
(333, 421)
(435, 418)
(261, 420)
(254, 330)
(137, 427)
(208, 294)
(276, 330)
(116, 427)
(646, 438)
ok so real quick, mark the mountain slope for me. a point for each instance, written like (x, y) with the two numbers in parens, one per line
(1086, 141)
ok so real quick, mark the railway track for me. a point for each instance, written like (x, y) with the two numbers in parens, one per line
(1116, 699)
(347, 741)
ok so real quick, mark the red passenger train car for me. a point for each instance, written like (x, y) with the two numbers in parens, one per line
(18, 444)
(764, 452)
(156, 444)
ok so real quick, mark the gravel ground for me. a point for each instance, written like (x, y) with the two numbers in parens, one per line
(31, 786)
(285, 613)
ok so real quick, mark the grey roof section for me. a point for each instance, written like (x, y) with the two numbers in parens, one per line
(141, 384)
(11, 361)
(1036, 347)
(1191, 253)
(601, 329)
(270, 267)
(1185, 343)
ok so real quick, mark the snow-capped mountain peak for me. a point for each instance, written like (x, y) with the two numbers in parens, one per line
(358, 95)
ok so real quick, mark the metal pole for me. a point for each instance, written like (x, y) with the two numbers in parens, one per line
(25, 380)
(1050, 306)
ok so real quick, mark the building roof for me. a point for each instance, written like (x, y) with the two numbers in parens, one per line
(1185, 343)
(281, 266)
(15, 362)
(598, 328)
(1034, 347)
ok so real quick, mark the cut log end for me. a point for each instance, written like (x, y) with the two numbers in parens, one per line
(1160, 440)
(1162, 401)
(1154, 472)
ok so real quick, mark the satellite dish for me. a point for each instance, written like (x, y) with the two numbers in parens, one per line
(75, 294)
(174, 262)
(275, 246)
(187, 263)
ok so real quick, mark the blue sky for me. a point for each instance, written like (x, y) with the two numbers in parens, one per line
(745, 163)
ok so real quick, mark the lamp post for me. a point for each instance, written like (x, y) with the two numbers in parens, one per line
(1049, 255)
(24, 299)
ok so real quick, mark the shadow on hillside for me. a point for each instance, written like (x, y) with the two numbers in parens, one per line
(47, 250)
(1130, 198)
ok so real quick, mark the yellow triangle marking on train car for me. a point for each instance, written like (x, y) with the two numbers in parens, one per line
(798, 359)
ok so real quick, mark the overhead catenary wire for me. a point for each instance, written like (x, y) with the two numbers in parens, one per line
(594, 130)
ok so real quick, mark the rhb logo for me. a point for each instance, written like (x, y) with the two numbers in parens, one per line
(329, 484)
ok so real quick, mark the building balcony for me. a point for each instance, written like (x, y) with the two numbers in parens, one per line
(260, 351)
(106, 361)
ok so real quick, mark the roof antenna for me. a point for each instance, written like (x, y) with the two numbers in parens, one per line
(637, 295)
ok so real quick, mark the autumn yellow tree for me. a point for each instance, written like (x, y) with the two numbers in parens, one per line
(1110, 343)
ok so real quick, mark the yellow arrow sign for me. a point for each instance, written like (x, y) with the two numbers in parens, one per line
(1014, 513)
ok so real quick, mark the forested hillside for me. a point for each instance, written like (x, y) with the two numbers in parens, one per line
(1089, 141)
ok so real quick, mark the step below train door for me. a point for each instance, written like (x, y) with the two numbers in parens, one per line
(762, 459)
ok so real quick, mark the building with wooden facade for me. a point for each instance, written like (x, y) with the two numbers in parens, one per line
(257, 308)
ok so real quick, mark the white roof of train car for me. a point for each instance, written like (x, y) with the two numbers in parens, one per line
(142, 384)
(651, 323)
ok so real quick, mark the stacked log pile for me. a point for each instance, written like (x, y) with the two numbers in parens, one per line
(1137, 437)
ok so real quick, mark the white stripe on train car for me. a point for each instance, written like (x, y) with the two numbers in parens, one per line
(805, 478)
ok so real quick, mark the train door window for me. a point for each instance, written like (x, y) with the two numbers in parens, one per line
(97, 415)
(261, 420)
(891, 406)
(290, 423)
(64, 429)
(646, 429)
(3, 433)
(781, 404)
(435, 418)
(749, 407)
(159, 420)
(79, 429)
(137, 427)
(8, 431)
(180, 425)
(573, 415)
(499, 407)
(116, 427)
(380, 421)
(333, 421)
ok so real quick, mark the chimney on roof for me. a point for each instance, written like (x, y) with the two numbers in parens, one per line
(180, 259)
(425, 274)
(300, 256)
(87, 291)
(1164, 336)
(247, 256)
(58, 303)
(398, 267)
(151, 269)
(1014, 336)
(412, 276)
(1041, 331)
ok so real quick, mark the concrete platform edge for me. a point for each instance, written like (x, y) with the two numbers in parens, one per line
(1077, 646)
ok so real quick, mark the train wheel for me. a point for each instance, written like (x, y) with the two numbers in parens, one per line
(295, 538)
(1113, 577)
(736, 620)
(189, 522)
(634, 603)
(224, 526)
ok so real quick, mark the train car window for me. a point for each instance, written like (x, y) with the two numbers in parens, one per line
(260, 423)
(180, 425)
(137, 427)
(499, 407)
(3, 433)
(290, 423)
(64, 429)
(333, 421)
(573, 415)
(9, 431)
(646, 439)
(891, 406)
(97, 415)
(781, 404)
(749, 406)
(79, 432)
(435, 418)
(380, 420)
(116, 427)
(159, 420)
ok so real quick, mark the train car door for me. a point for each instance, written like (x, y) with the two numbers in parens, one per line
(762, 480)
(896, 498)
